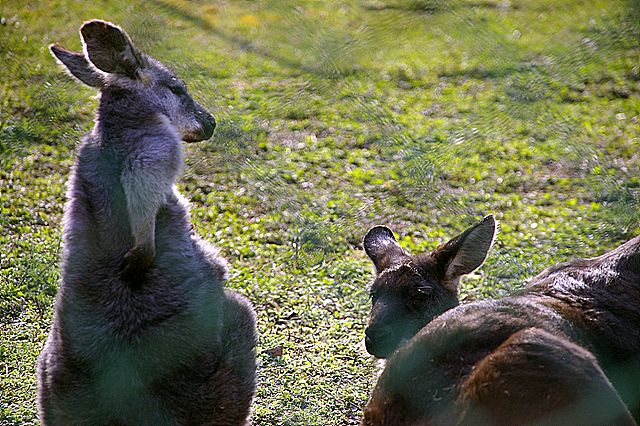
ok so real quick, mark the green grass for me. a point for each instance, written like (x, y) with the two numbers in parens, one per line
(335, 116)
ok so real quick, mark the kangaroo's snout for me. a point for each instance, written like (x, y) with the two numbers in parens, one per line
(378, 341)
(207, 124)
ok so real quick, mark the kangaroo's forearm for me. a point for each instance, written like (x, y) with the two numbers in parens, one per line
(146, 191)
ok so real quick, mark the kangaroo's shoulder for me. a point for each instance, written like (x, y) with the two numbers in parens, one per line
(487, 320)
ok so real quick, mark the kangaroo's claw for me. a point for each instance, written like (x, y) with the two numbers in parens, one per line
(136, 263)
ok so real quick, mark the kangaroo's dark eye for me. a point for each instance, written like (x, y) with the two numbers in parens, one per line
(424, 291)
(176, 86)
(178, 90)
(374, 296)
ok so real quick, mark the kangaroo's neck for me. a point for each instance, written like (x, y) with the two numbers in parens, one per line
(121, 118)
(123, 129)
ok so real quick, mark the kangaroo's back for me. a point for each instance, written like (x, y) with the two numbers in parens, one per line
(601, 297)
(606, 292)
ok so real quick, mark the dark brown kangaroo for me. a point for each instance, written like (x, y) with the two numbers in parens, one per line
(563, 351)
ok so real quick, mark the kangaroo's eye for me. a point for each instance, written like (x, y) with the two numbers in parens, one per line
(374, 296)
(178, 90)
(424, 291)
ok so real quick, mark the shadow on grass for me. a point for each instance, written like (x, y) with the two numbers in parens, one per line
(248, 46)
(429, 6)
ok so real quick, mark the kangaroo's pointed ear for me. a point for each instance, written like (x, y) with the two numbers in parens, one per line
(109, 48)
(466, 252)
(77, 65)
(382, 247)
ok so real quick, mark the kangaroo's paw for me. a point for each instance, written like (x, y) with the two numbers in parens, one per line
(136, 263)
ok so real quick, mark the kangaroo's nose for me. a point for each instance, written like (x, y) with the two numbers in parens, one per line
(377, 334)
(368, 332)
(209, 123)
(378, 341)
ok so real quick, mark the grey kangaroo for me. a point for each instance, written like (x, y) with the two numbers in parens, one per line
(565, 350)
(144, 332)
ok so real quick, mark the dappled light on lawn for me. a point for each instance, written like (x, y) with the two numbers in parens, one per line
(334, 116)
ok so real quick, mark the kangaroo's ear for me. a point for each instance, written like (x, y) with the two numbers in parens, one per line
(77, 65)
(382, 247)
(109, 48)
(466, 252)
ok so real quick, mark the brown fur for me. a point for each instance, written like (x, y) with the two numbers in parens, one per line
(410, 291)
(563, 351)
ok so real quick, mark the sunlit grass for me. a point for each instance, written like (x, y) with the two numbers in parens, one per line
(335, 116)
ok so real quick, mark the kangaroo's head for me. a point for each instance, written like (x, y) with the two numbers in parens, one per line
(409, 291)
(135, 88)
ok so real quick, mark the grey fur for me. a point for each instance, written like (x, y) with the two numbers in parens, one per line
(144, 332)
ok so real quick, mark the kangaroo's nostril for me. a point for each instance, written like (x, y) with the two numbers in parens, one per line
(208, 126)
(377, 333)
(378, 341)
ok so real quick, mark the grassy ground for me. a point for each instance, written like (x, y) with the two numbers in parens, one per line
(335, 116)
